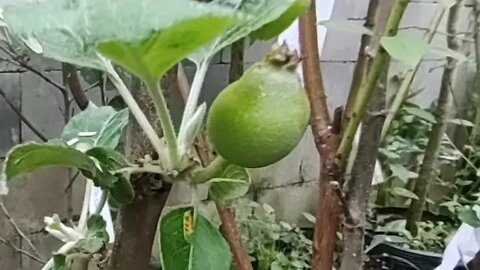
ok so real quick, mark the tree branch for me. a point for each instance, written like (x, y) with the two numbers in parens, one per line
(33, 70)
(423, 180)
(18, 230)
(70, 73)
(328, 208)
(22, 117)
(21, 251)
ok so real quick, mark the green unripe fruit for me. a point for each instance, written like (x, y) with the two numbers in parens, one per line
(259, 119)
(122, 191)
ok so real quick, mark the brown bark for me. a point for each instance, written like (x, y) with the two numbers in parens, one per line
(358, 188)
(327, 210)
(73, 82)
(137, 222)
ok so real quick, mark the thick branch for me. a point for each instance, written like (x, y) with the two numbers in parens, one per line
(422, 182)
(236, 60)
(327, 210)
(70, 73)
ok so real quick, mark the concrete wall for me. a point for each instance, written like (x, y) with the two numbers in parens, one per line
(289, 186)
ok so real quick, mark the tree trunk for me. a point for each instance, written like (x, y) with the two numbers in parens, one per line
(359, 185)
(237, 50)
(137, 222)
(423, 180)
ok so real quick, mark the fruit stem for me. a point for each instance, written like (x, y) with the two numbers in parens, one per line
(195, 91)
(133, 106)
(165, 120)
(214, 169)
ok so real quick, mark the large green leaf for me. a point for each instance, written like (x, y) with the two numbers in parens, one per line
(274, 28)
(405, 47)
(256, 13)
(100, 126)
(233, 183)
(200, 248)
(28, 157)
(59, 262)
(470, 216)
(68, 30)
(151, 58)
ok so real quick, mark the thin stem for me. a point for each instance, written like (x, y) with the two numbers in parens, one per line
(166, 122)
(82, 222)
(213, 169)
(101, 204)
(422, 183)
(368, 85)
(407, 80)
(17, 228)
(18, 112)
(194, 94)
(19, 250)
(134, 108)
(62, 250)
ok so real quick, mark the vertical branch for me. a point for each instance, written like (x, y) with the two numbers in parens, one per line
(327, 210)
(410, 74)
(236, 60)
(360, 71)
(359, 106)
(228, 225)
(137, 222)
(73, 82)
(475, 135)
(422, 182)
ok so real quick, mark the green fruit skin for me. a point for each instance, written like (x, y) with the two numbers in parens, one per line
(259, 119)
(122, 191)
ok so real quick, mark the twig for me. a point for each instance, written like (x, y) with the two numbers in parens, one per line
(22, 117)
(18, 230)
(228, 224)
(19, 250)
(82, 222)
(33, 70)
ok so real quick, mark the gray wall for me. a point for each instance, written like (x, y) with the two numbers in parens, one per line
(289, 186)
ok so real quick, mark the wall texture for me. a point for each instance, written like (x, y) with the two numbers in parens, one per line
(289, 186)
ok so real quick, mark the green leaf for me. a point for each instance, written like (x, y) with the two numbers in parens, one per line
(96, 237)
(201, 248)
(109, 161)
(447, 52)
(256, 13)
(470, 217)
(68, 31)
(101, 126)
(405, 47)
(109, 158)
(346, 26)
(460, 122)
(28, 157)
(151, 58)
(423, 114)
(231, 184)
(59, 262)
(274, 28)
(402, 173)
(403, 193)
